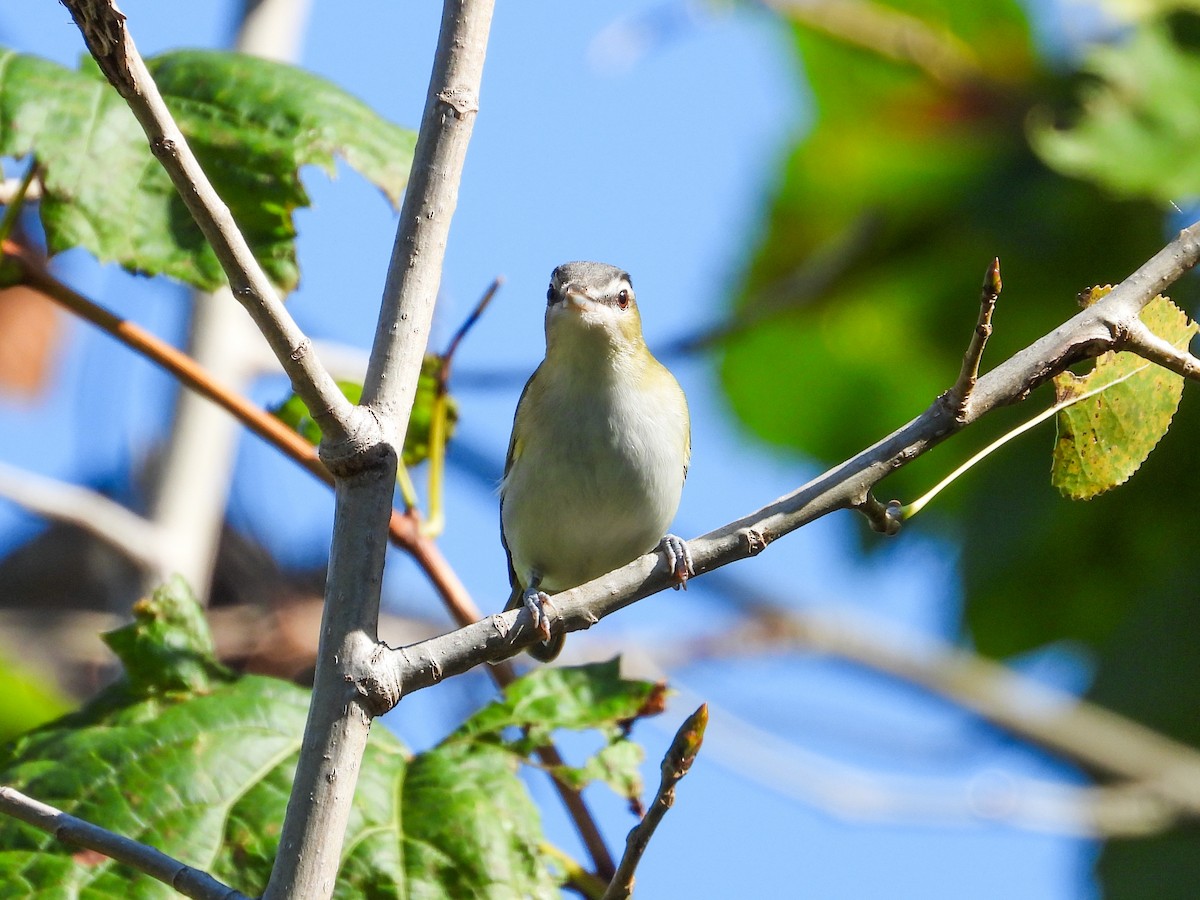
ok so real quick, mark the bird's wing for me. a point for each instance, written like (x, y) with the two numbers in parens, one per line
(514, 452)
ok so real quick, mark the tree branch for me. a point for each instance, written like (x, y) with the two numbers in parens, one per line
(851, 793)
(960, 394)
(106, 519)
(67, 828)
(1089, 333)
(415, 271)
(1098, 739)
(1145, 343)
(174, 361)
(349, 687)
(108, 39)
(676, 763)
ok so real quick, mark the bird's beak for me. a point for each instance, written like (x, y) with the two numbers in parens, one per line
(577, 298)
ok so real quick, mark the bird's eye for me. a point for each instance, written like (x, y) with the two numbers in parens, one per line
(623, 299)
(550, 294)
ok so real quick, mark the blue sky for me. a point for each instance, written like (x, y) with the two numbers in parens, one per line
(663, 168)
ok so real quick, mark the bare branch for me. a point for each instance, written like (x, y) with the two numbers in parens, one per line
(1145, 343)
(960, 394)
(349, 687)
(103, 28)
(1088, 734)
(856, 794)
(189, 487)
(183, 878)
(415, 271)
(104, 518)
(1089, 333)
(678, 760)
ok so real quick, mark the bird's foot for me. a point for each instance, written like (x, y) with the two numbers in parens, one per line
(679, 558)
(541, 610)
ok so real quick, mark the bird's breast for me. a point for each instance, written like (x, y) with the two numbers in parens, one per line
(597, 481)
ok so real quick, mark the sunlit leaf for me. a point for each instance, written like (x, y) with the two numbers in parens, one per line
(1104, 438)
(252, 123)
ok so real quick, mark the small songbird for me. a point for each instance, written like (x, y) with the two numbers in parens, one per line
(600, 447)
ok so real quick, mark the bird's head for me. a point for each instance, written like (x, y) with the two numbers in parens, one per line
(590, 306)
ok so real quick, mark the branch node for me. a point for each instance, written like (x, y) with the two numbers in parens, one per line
(884, 518)
(756, 541)
(379, 685)
(499, 625)
(362, 449)
(301, 350)
(461, 100)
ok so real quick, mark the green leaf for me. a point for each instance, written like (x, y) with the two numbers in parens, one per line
(295, 414)
(1103, 439)
(167, 646)
(617, 765)
(252, 123)
(577, 698)
(201, 769)
(1138, 119)
(572, 697)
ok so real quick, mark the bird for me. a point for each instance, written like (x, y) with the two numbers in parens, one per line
(600, 448)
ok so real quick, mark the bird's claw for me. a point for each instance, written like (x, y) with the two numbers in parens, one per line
(541, 611)
(679, 558)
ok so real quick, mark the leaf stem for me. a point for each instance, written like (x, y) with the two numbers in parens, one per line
(911, 509)
(17, 202)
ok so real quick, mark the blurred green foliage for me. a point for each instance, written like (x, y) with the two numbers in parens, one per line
(28, 702)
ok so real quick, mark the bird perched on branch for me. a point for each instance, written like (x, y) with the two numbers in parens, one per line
(600, 447)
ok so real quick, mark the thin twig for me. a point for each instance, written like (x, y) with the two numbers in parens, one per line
(1089, 333)
(676, 763)
(183, 878)
(468, 323)
(803, 285)
(959, 396)
(104, 31)
(1145, 343)
(438, 418)
(16, 202)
